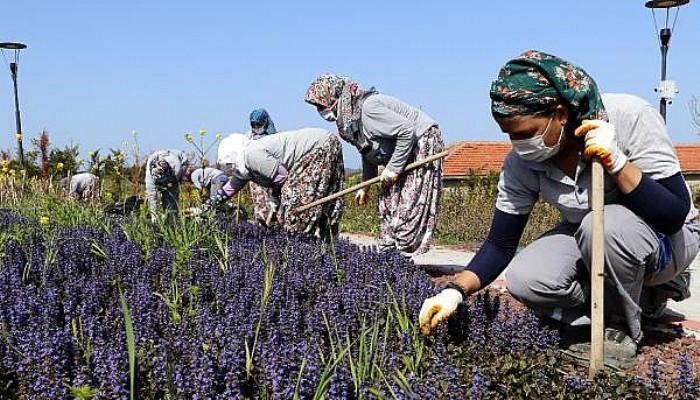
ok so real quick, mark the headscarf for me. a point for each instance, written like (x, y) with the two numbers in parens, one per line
(232, 151)
(535, 82)
(200, 177)
(261, 116)
(160, 170)
(329, 88)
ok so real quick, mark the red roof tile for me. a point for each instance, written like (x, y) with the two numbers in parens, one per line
(689, 156)
(483, 157)
(468, 157)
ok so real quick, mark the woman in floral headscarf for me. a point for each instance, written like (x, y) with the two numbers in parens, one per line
(557, 121)
(261, 125)
(388, 132)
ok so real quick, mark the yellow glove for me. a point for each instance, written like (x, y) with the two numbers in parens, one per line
(601, 142)
(361, 197)
(438, 308)
(388, 177)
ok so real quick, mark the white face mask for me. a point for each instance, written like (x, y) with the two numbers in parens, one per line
(328, 114)
(259, 130)
(534, 148)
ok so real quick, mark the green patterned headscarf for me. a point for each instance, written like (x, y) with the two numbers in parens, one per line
(535, 82)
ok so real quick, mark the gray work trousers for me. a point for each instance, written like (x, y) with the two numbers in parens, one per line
(551, 275)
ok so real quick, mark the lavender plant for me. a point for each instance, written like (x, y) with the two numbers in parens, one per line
(276, 322)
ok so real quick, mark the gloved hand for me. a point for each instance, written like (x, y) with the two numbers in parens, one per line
(274, 203)
(361, 197)
(438, 308)
(192, 212)
(601, 142)
(388, 177)
(214, 201)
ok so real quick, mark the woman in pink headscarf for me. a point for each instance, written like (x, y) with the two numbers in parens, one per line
(390, 133)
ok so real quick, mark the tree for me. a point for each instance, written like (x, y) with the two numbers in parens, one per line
(694, 112)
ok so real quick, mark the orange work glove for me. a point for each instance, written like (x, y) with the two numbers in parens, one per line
(361, 197)
(601, 142)
(438, 308)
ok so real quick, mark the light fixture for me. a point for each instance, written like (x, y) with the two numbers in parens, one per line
(16, 47)
(667, 88)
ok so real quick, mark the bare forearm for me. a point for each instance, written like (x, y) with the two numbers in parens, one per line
(468, 281)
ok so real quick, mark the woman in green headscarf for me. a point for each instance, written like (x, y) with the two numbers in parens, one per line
(557, 121)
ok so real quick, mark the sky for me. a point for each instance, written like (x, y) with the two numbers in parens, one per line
(95, 71)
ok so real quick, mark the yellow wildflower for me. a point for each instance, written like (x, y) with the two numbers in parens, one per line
(43, 220)
(188, 137)
(12, 172)
(59, 166)
(18, 136)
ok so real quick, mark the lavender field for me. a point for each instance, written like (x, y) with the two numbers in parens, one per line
(206, 310)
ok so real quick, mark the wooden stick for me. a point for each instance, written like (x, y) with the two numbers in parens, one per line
(238, 208)
(597, 355)
(368, 182)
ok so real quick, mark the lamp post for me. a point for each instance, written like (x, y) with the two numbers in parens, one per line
(13, 71)
(666, 89)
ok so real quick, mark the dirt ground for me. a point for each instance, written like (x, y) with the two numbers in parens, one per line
(666, 341)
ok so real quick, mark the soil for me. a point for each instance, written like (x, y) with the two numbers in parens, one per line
(665, 341)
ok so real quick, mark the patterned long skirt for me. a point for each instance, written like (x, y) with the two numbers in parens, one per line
(318, 174)
(259, 195)
(408, 210)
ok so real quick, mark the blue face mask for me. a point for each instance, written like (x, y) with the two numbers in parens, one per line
(534, 148)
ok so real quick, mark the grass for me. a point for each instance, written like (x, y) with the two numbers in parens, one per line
(465, 215)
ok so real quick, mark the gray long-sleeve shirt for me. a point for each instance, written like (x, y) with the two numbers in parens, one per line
(170, 191)
(641, 135)
(264, 156)
(394, 127)
(211, 178)
(202, 177)
(83, 184)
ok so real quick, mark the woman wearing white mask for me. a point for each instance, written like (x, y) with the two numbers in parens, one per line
(388, 132)
(557, 121)
(261, 125)
(297, 166)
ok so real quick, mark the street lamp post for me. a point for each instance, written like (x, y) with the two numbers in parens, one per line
(13, 71)
(666, 89)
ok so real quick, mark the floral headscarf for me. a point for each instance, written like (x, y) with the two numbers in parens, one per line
(329, 88)
(535, 82)
(260, 115)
